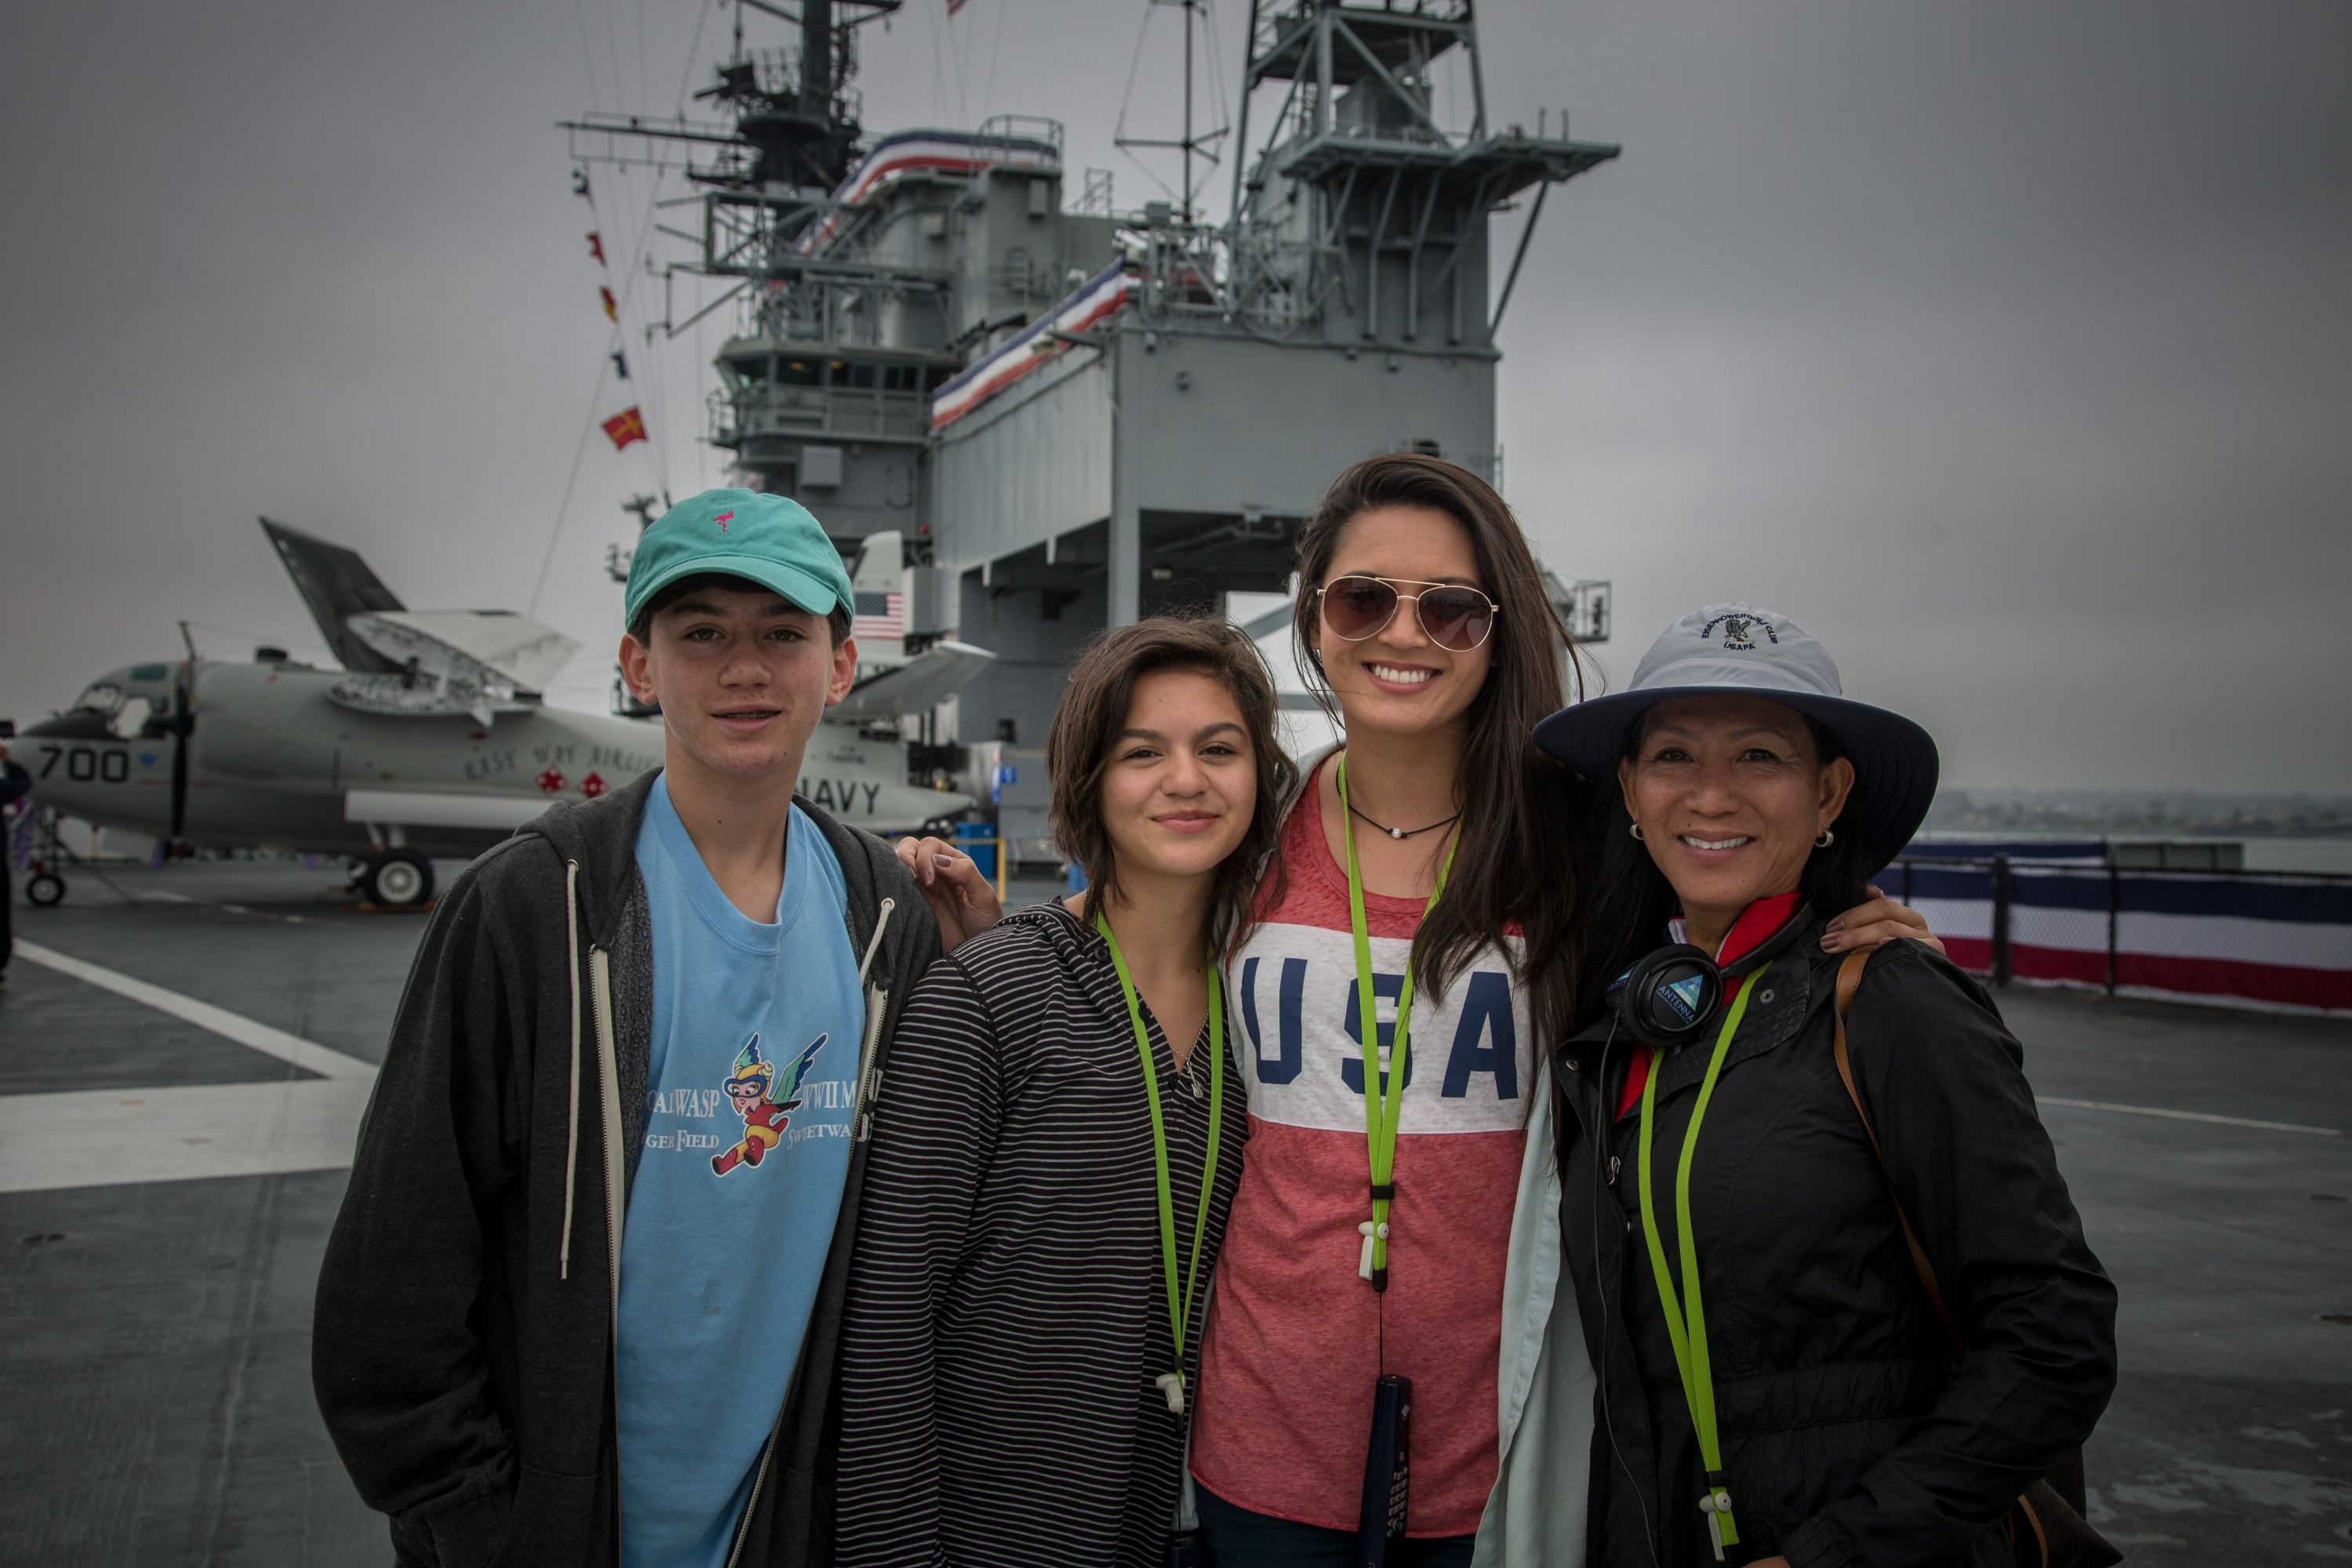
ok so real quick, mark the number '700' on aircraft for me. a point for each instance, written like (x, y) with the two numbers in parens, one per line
(432, 739)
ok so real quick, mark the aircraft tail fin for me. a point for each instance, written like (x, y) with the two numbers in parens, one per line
(335, 584)
(881, 563)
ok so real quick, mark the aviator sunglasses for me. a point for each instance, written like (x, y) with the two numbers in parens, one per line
(1452, 615)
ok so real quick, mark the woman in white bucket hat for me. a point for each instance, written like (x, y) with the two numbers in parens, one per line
(1837, 1296)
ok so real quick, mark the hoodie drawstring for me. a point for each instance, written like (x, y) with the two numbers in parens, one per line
(572, 937)
(861, 1118)
(874, 944)
(571, 1141)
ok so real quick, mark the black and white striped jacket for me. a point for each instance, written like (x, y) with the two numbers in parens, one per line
(1007, 1314)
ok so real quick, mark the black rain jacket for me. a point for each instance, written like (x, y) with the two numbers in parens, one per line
(1852, 1434)
(462, 1348)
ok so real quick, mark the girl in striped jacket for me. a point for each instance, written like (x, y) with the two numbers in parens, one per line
(1058, 1141)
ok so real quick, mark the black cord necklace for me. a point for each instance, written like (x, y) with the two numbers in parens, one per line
(1402, 832)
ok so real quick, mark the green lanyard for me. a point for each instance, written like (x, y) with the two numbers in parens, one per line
(1171, 1383)
(1382, 1107)
(1690, 1338)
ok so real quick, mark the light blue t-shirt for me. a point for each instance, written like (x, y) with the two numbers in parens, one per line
(755, 1037)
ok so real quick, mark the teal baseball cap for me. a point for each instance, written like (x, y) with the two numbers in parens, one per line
(762, 538)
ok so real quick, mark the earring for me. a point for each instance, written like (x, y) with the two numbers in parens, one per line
(1634, 828)
(1825, 841)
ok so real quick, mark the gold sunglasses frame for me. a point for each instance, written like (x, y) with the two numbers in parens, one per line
(1395, 585)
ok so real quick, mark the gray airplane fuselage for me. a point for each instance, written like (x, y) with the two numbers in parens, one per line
(272, 762)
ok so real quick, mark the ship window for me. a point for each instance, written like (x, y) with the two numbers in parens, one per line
(935, 378)
(898, 378)
(798, 372)
(861, 375)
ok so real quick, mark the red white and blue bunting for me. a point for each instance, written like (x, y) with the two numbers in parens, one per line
(1098, 298)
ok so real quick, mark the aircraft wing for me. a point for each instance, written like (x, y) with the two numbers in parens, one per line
(336, 584)
(517, 648)
(929, 677)
(438, 808)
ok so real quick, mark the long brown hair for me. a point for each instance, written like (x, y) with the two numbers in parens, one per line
(1520, 856)
(1093, 710)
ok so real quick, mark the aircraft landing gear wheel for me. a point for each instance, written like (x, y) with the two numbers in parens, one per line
(397, 878)
(45, 887)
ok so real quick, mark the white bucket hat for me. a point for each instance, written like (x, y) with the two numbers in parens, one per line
(1740, 650)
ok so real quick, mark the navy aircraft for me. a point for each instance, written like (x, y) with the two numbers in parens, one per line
(432, 739)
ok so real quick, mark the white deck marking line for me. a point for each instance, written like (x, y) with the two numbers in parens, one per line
(2173, 1115)
(116, 1137)
(308, 1054)
(169, 898)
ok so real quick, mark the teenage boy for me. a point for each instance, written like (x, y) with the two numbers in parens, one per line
(581, 1303)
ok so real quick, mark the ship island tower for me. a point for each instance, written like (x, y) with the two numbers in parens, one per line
(1067, 416)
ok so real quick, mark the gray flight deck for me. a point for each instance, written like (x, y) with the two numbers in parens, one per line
(154, 1337)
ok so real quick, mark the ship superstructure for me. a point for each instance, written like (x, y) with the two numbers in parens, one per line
(1070, 416)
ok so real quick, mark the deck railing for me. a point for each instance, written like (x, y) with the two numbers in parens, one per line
(2276, 941)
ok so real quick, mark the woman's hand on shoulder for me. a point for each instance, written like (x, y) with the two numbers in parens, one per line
(1865, 926)
(963, 901)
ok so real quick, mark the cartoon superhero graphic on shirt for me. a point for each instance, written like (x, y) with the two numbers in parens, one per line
(764, 1107)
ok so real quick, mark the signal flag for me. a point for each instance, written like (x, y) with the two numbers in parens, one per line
(596, 248)
(612, 307)
(625, 427)
(580, 185)
(620, 365)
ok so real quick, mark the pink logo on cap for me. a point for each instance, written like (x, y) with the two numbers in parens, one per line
(721, 520)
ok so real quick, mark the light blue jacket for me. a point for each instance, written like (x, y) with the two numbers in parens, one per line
(1543, 1387)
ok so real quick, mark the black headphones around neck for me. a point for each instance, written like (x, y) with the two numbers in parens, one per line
(1675, 994)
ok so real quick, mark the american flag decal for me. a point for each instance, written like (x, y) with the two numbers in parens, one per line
(880, 616)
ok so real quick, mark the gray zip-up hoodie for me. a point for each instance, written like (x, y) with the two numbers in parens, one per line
(462, 1350)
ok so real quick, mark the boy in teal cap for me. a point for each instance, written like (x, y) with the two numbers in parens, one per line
(554, 1323)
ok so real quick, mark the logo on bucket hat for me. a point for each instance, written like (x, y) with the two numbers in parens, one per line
(1739, 631)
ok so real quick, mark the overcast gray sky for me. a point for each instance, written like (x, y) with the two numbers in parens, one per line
(2008, 346)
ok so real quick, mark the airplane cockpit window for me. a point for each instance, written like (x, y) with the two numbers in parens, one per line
(104, 709)
(100, 697)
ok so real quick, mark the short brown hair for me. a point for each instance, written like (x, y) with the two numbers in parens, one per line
(642, 629)
(1093, 710)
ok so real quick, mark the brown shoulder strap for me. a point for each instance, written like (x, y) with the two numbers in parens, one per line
(1849, 981)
